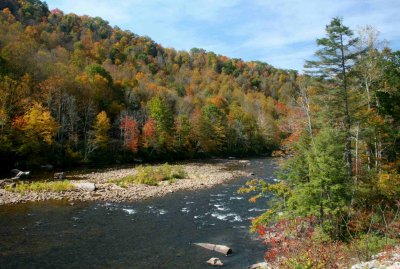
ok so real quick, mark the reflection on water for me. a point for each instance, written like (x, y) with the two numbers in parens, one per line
(151, 234)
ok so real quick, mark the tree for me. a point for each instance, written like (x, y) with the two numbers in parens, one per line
(164, 120)
(35, 131)
(182, 133)
(212, 129)
(149, 134)
(336, 58)
(101, 128)
(130, 133)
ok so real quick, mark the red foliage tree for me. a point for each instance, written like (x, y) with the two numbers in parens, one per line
(149, 133)
(130, 133)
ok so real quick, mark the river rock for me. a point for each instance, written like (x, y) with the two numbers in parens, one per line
(261, 265)
(215, 262)
(60, 175)
(86, 186)
(12, 185)
(5, 182)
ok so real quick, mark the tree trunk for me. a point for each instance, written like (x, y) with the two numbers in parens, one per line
(347, 113)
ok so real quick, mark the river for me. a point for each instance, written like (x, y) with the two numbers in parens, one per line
(156, 233)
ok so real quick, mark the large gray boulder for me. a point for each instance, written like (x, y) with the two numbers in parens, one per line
(86, 186)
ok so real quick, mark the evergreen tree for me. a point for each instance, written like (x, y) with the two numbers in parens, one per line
(335, 60)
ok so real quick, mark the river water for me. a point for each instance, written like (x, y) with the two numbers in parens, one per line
(156, 233)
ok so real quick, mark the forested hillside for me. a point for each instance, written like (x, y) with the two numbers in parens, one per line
(74, 89)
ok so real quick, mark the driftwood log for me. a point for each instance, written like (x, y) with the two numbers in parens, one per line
(218, 248)
(17, 174)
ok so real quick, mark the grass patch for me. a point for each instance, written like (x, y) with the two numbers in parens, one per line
(151, 175)
(56, 186)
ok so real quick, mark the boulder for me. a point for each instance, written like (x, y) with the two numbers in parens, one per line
(5, 182)
(261, 265)
(60, 175)
(12, 185)
(86, 186)
(215, 262)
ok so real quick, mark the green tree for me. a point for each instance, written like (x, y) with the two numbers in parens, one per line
(212, 129)
(164, 119)
(335, 60)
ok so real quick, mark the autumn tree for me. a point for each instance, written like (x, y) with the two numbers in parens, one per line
(129, 133)
(35, 130)
(163, 117)
(101, 128)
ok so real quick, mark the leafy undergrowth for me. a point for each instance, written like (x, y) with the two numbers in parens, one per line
(151, 175)
(301, 243)
(56, 186)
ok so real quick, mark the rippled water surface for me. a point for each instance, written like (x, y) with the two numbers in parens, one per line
(156, 233)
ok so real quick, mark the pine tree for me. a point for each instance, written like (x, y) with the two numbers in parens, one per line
(335, 60)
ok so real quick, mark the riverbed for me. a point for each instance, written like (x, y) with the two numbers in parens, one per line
(155, 233)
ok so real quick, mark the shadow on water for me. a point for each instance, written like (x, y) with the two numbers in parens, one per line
(156, 233)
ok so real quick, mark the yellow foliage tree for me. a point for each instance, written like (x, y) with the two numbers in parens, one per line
(38, 124)
(101, 127)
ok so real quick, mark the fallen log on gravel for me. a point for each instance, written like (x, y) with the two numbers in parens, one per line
(218, 248)
(17, 174)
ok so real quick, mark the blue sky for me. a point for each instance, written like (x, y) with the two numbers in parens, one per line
(279, 32)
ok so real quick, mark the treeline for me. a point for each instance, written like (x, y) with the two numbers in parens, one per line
(74, 89)
(339, 197)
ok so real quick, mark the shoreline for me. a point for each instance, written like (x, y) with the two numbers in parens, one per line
(199, 176)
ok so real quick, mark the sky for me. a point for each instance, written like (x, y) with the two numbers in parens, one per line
(279, 32)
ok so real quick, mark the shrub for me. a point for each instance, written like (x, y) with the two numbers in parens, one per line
(56, 186)
(150, 175)
(369, 244)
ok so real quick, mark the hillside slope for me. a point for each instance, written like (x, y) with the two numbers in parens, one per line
(73, 89)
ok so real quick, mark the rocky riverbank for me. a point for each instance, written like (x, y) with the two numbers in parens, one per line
(388, 259)
(199, 176)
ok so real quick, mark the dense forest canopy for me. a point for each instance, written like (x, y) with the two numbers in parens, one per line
(74, 89)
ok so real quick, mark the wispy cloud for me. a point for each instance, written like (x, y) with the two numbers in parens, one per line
(280, 32)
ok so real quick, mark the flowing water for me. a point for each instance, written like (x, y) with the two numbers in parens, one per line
(156, 233)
